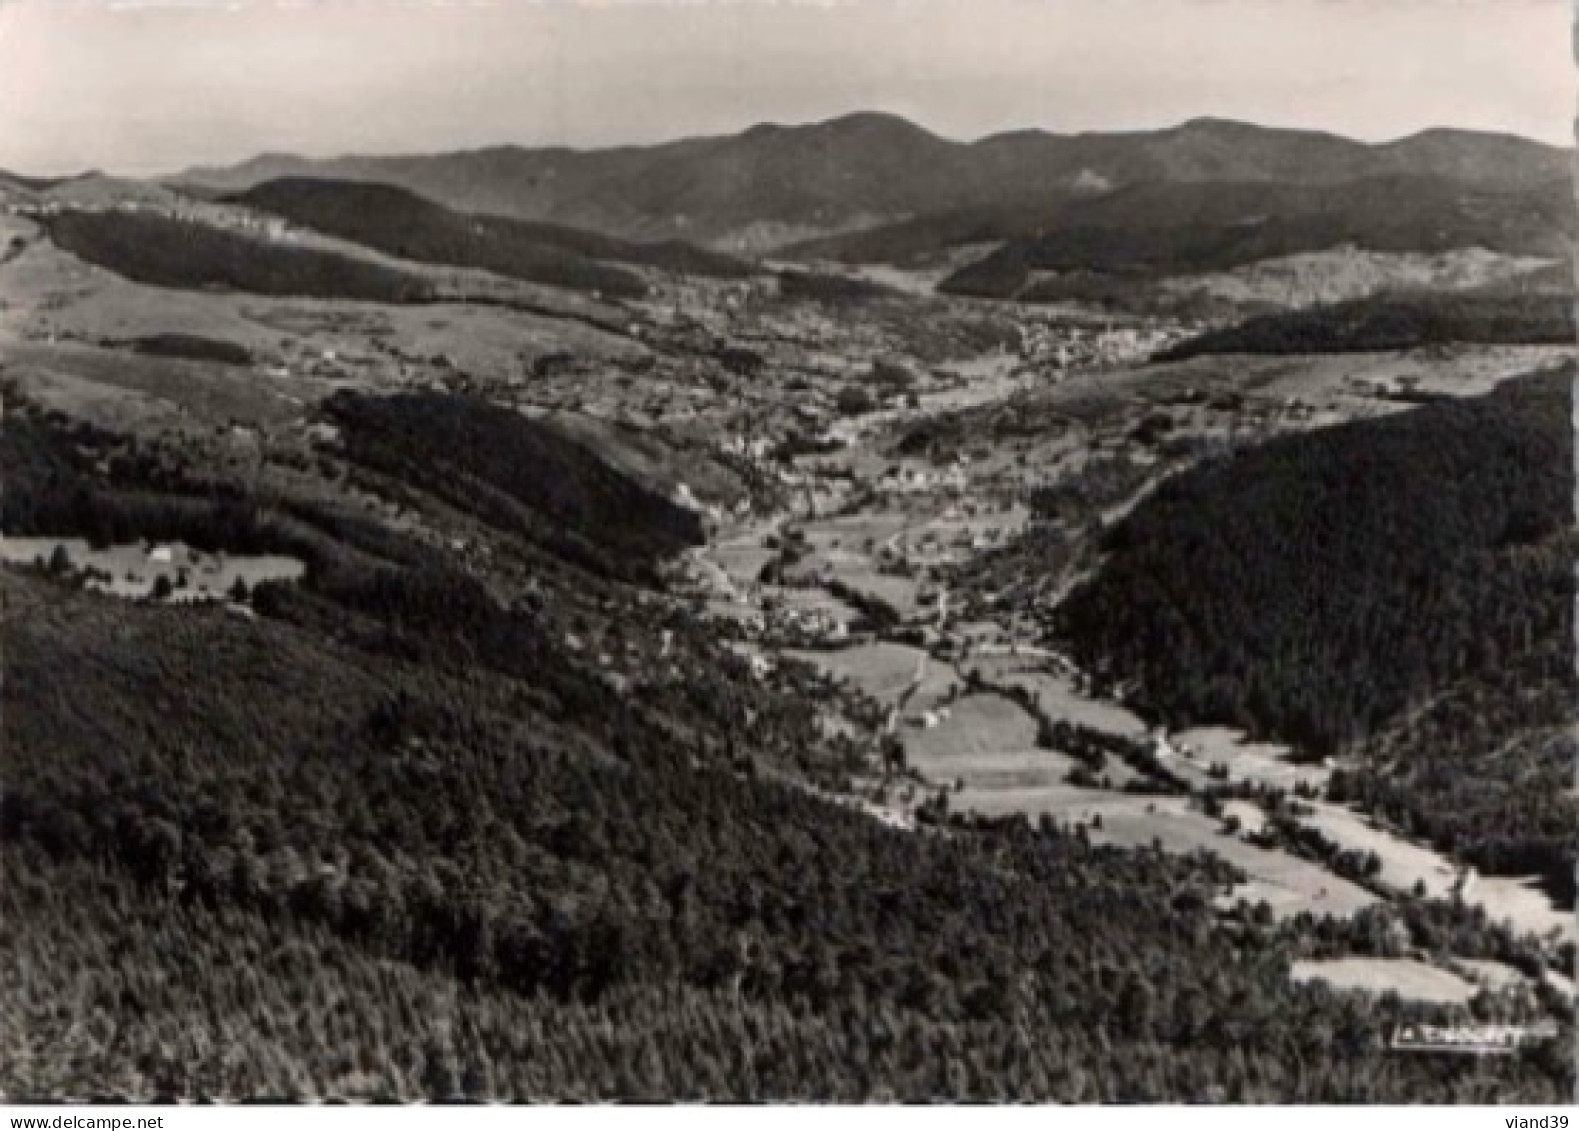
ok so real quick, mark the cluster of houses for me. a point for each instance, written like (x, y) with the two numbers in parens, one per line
(1065, 347)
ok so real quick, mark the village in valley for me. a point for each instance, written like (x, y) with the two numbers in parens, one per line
(874, 464)
(801, 546)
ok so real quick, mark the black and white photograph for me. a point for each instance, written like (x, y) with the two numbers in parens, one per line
(859, 552)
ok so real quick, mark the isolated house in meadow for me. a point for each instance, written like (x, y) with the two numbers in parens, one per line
(1160, 746)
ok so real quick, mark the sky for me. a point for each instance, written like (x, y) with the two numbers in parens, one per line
(142, 87)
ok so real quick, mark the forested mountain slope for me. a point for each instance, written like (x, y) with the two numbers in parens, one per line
(166, 252)
(1405, 582)
(400, 223)
(1398, 320)
(403, 834)
(1151, 231)
(515, 473)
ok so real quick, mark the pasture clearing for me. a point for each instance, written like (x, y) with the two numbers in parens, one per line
(1340, 379)
(106, 406)
(881, 669)
(135, 568)
(1261, 763)
(1407, 977)
(993, 770)
(941, 684)
(977, 725)
(857, 572)
(1403, 863)
(1056, 694)
(741, 559)
(49, 293)
(1341, 274)
(1489, 973)
(1288, 884)
(866, 532)
(85, 380)
(1521, 901)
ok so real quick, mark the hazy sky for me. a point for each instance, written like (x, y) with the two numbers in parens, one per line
(144, 87)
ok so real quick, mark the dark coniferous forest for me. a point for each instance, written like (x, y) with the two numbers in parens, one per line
(1325, 588)
(442, 857)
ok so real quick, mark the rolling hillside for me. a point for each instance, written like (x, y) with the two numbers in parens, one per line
(1396, 321)
(400, 223)
(164, 252)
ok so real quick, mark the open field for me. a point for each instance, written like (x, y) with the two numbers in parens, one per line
(989, 742)
(1344, 379)
(989, 771)
(1522, 902)
(1057, 695)
(883, 670)
(976, 725)
(940, 684)
(1349, 273)
(105, 406)
(898, 593)
(1407, 977)
(134, 569)
(1403, 864)
(854, 533)
(1491, 974)
(73, 377)
(1288, 884)
(47, 294)
(1263, 763)
(859, 572)
(740, 561)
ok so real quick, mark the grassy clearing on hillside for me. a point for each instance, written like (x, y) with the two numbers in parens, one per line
(1288, 884)
(203, 392)
(1345, 274)
(882, 670)
(1407, 977)
(134, 569)
(1264, 763)
(983, 725)
(1056, 694)
(990, 772)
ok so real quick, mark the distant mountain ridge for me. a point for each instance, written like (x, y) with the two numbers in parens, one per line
(772, 185)
(1158, 230)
